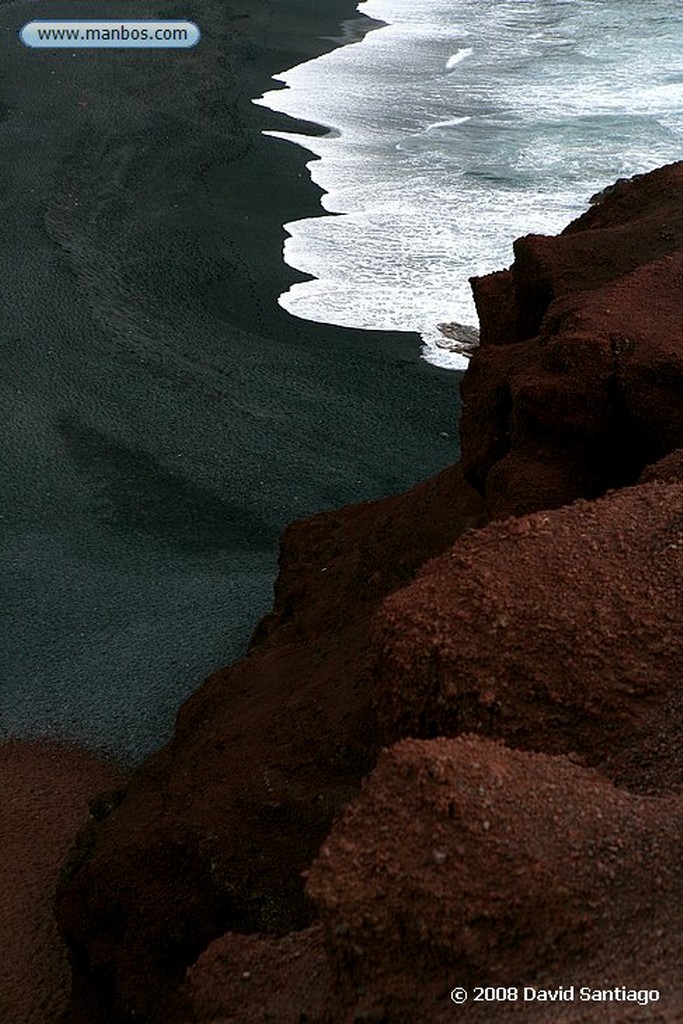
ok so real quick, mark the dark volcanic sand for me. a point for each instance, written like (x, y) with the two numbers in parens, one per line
(163, 417)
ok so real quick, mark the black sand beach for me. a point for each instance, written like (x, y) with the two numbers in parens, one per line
(163, 417)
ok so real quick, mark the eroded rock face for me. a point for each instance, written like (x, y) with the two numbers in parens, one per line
(670, 468)
(250, 979)
(559, 631)
(465, 863)
(577, 382)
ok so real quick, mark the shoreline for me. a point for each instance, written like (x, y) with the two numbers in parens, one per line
(168, 418)
(296, 131)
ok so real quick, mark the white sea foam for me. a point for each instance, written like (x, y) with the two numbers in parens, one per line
(451, 123)
(436, 174)
(456, 58)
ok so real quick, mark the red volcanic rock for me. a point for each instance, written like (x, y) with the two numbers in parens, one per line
(670, 468)
(216, 828)
(44, 794)
(560, 631)
(464, 863)
(577, 382)
(335, 566)
(253, 979)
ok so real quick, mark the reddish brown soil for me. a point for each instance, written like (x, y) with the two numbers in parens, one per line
(252, 979)
(598, 671)
(44, 794)
(466, 863)
(670, 468)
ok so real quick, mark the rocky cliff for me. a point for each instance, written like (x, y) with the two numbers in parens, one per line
(452, 755)
(577, 383)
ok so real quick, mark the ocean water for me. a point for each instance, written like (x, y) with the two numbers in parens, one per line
(458, 127)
